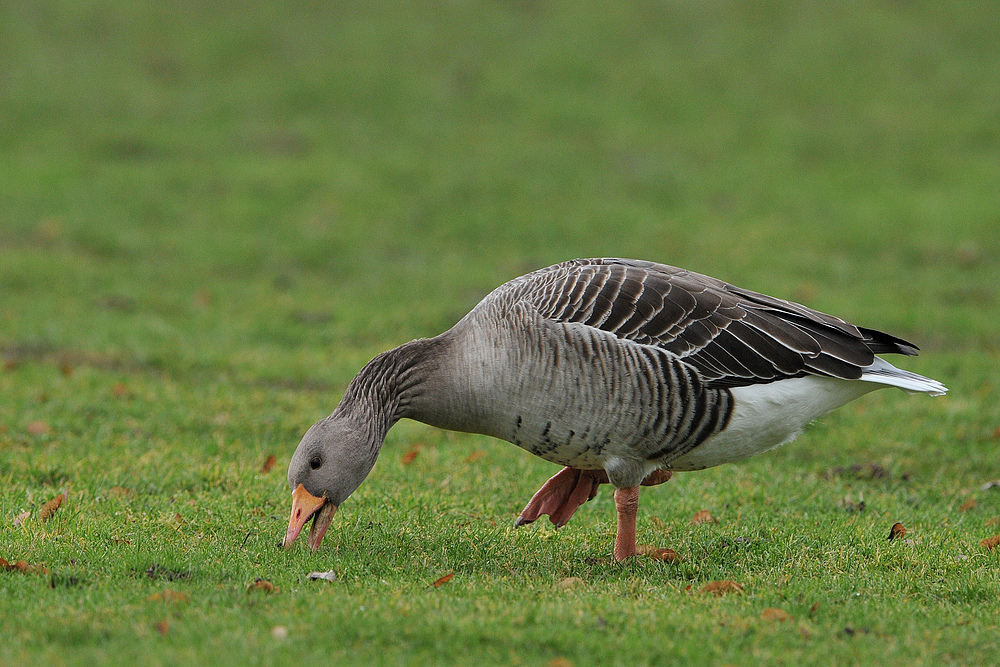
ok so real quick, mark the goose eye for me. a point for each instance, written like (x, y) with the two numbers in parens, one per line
(315, 462)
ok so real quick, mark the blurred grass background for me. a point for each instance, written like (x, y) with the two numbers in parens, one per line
(212, 214)
(221, 179)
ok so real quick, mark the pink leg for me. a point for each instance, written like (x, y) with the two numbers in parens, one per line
(570, 488)
(562, 495)
(627, 503)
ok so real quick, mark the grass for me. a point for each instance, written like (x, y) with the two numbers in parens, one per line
(213, 215)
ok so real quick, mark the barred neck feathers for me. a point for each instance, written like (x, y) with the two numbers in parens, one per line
(383, 391)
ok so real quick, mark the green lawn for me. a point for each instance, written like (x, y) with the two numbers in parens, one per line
(213, 214)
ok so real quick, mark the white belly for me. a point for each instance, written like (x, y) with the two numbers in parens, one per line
(768, 415)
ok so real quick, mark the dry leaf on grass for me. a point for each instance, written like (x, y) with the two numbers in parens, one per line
(162, 626)
(408, 457)
(995, 521)
(704, 516)
(657, 553)
(995, 484)
(268, 464)
(721, 587)
(968, 505)
(896, 531)
(443, 580)
(168, 595)
(21, 518)
(776, 615)
(990, 543)
(49, 508)
(263, 585)
(568, 583)
(119, 492)
(22, 566)
(37, 428)
(813, 608)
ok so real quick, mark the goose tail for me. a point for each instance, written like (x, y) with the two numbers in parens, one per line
(882, 372)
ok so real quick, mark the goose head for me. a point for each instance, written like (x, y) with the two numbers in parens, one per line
(333, 458)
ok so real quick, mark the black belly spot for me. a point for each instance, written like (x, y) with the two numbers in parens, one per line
(545, 431)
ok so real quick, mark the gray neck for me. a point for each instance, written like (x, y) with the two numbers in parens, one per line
(391, 386)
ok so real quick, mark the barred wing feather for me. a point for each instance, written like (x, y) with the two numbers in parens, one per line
(734, 337)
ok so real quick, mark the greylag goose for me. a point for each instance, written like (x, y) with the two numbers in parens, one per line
(622, 371)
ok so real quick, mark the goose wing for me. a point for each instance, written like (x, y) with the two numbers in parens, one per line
(733, 336)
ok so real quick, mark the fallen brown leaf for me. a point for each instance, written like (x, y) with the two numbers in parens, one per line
(37, 428)
(704, 516)
(568, 583)
(990, 543)
(443, 580)
(49, 508)
(659, 523)
(268, 464)
(21, 518)
(657, 553)
(168, 595)
(968, 505)
(474, 456)
(896, 531)
(776, 615)
(813, 608)
(24, 568)
(408, 457)
(262, 585)
(995, 521)
(721, 587)
(162, 626)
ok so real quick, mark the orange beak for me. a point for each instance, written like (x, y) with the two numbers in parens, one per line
(305, 505)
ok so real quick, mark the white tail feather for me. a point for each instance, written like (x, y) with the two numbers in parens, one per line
(882, 372)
